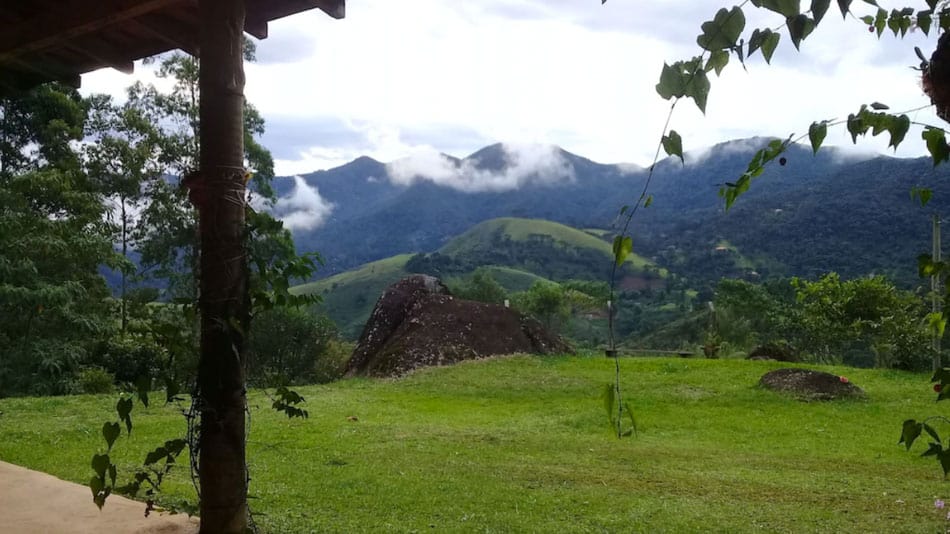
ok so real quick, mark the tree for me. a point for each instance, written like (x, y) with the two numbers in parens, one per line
(53, 238)
(286, 346)
(36, 128)
(125, 155)
(482, 287)
(863, 321)
(547, 302)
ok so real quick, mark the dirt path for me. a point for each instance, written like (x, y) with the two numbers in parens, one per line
(36, 503)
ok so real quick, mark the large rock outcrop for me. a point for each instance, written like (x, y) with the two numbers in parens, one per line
(418, 323)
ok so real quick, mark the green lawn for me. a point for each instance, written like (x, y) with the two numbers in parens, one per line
(521, 444)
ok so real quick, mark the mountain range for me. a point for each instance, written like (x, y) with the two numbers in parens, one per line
(814, 214)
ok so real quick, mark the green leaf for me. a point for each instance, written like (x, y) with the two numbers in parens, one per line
(755, 41)
(816, 135)
(944, 457)
(923, 195)
(111, 431)
(171, 390)
(932, 450)
(898, 129)
(799, 27)
(672, 83)
(880, 21)
(717, 61)
(673, 145)
(175, 446)
(723, 31)
(924, 20)
(819, 8)
(623, 246)
(926, 267)
(910, 432)
(936, 144)
(941, 375)
(893, 23)
(124, 409)
(787, 8)
(769, 44)
(698, 89)
(99, 491)
(143, 384)
(155, 455)
(933, 433)
(648, 201)
(844, 6)
(856, 126)
(100, 464)
(937, 323)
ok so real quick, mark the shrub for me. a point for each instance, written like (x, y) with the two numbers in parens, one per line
(285, 346)
(95, 381)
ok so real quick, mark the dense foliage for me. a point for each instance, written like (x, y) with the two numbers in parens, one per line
(90, 187)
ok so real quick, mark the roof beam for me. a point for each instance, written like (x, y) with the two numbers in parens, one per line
(61, 25)
(172, 34)
(103, 55)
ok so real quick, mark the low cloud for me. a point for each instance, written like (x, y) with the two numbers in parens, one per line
(303, 208)
(524, 164)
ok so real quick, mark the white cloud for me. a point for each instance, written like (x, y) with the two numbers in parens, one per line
(565, 72)
(524, 164)
(303, 208)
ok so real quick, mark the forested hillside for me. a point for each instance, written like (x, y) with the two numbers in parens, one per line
(832, 211)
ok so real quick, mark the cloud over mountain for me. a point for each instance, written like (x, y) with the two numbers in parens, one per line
(522, 164)
(303, 208)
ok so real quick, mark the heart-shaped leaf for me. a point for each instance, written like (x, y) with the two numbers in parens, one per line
(100, 464)
(111, 431)
(723, 31)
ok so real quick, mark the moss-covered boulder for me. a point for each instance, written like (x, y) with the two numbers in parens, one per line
(417, 323)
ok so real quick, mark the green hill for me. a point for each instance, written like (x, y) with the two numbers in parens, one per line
(517, 253)
(546, 248)
(483, 237)
(349, 297)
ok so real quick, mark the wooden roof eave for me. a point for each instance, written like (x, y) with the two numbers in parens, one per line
(58, 40)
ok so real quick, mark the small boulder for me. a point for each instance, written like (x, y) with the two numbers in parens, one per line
(807, 384)
(417, 323)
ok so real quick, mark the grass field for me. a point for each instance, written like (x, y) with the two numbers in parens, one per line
(521, 444)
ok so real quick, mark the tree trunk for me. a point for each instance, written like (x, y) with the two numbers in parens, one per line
(218, 193)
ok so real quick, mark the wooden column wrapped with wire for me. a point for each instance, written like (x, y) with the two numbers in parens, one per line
(218, 191)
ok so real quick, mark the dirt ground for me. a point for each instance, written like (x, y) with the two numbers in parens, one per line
(36, 503)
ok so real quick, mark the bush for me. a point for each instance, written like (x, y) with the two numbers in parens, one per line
(127, 357)
(96, 381)
(331, 365)
(285, 346)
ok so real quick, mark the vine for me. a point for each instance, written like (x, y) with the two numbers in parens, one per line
(274, 268)
(721, 38)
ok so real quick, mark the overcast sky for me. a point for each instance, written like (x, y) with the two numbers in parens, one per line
(395, 79)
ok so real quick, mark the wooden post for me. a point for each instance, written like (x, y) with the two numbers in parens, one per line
(218, 191)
